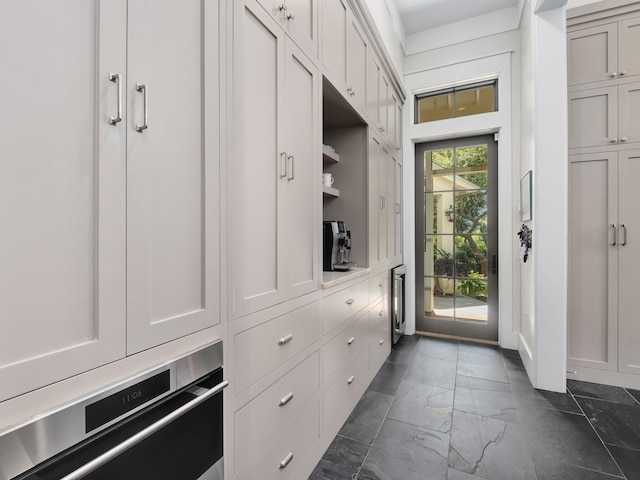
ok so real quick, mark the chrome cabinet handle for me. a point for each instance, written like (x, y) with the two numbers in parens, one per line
(350, 301)
(615, 241)
(141, 87)
(283, 158)
(623, 139)
(623, 226)
(286, 460)
(380, 284)
(117, 79)
(351, 340)
(290, 16)
(613, 74)
(613, 140)
(381, 313)
(143, 434)
(286, 339)
(381, 341)
(623, 72)
(286, 399)
(282, 7)
(351, 379)
(293, 173)
(382, 129)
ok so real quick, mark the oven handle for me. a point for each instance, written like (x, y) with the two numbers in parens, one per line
(142, 434)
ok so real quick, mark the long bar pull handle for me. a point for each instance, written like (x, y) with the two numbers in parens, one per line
(293, 173)
(286, 399)
(144, 88)
(286, 460)
(283, 158)
(615, 239)
(623, 226)
(117, 79)
(143, 434)
(286, 339)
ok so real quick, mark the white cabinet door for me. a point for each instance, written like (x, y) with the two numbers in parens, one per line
(383, 212)
(172, 204)
(299, 18)
(593, 269)
(629, 95)
(274, 176)
(299, 212)
(385, 94)
(357, 46)
(629, 219)
(378, 202)
(629, 47)
(335, 15)
(62, 190)
(374, 79)
(592, 54)
(593, 117)
(395, 211)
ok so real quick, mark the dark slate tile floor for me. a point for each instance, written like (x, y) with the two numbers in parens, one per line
(448, 410)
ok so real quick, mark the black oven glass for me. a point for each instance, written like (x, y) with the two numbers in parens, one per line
(182, 450)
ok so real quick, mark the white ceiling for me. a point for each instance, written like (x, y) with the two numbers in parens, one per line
(418, 15)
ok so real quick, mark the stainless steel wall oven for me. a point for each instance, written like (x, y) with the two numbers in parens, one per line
(163, 424)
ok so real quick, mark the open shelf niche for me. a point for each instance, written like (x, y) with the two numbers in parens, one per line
(346, 200)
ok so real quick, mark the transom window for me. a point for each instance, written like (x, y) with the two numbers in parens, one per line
(457, 102)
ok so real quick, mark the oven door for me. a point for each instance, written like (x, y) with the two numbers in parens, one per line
(178, 437)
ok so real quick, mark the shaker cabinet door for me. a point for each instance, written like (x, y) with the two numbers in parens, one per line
(62, 190)
(172, 204)
(592, 54)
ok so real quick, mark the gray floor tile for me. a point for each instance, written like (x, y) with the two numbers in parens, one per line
(493, 372)
(628, 460)
(439, 348)
(617, 424)
(513, 363)
(559, 438)
(635, 394)
(388, 378)
(487, 403)
(528, 397)
(548, 471)
(480, 348)
(601, 392)
(367, 417)
(479, 359)
(489, 448)
(341, 461)
(432, 371)
(458, 475)
(473, 383)
(423, 405)
(406, 452)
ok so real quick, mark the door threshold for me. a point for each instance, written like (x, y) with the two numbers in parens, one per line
(456, 337)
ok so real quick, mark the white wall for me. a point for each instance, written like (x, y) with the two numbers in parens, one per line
(496, 56)
(580, 3)
(387, 20)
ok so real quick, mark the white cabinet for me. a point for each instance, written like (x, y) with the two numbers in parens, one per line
(113, 244)
(378, 202)
(299, 18)
(344, 52)
(395, 210)
(274, 172)
(604, 116)
(374, 81)
(604, 52)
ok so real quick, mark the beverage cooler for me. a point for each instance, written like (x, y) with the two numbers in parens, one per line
(398, 319)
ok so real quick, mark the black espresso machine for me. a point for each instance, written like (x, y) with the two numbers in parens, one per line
(336, 247)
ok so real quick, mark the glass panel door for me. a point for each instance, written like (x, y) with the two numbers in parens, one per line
(456, 237)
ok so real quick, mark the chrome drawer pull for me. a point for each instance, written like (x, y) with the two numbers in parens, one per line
(380, 284)
(141, 87)
(351, 340)
(285, 340)
(351, 379)
(350, 301)
(117, 79)
(286, 399)
(615, 241)
(381, 341)
(381, 313)
(142, 434)
(623, 226)
(286, 461)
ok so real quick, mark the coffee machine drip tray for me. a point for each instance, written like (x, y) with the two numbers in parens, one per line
(343, 267)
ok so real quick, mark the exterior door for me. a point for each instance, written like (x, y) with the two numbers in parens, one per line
(457, 237)
(62, 190)
(172, 171)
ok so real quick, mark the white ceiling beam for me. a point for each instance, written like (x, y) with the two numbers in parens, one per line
(544, 5)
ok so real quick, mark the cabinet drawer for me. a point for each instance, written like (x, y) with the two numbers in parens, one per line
(343, 348)
(341, 305)
(380, 326)
(379, 286)
(260, 419)
(262, 349)
(344, 393)
(294, 442)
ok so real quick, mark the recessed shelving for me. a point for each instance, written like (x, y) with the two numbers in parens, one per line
(330, 191)
(329, 155)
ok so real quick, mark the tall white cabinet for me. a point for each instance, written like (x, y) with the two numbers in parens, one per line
(604, 161)
(108, 182)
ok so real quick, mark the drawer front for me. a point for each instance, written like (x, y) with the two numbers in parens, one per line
(341, 305)
(343, 348)
(260, 419)
(380, 334)
(344, 393)
(285, 451)
(262, 349)
(379, 286)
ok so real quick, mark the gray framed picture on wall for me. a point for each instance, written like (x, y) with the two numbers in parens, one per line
(525, 197)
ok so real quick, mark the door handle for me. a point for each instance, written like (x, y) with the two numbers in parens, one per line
(615, 236)
(283, 158)
(117, 79)
(623, 226)
(293, 173)
(141, 87)
(494, 264)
